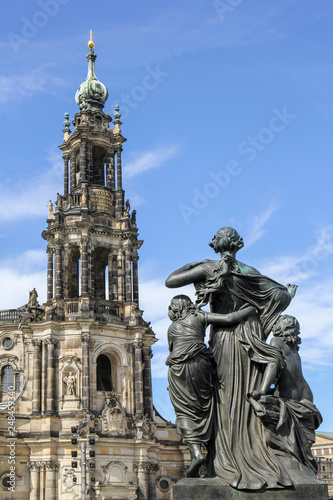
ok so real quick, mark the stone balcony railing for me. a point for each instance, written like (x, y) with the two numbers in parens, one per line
(9, 316)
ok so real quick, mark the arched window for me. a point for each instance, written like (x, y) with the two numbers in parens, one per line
(104, 378)
(7, 379)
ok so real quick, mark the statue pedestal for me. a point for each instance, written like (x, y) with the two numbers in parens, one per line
(215, 489)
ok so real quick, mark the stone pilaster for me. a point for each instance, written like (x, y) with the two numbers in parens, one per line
(120, 276)
(83, 160)
(57, 271)
(90, 174)
(49, 273)
(138, 378)
(72, 172)
(51, 468)
(85, 338)
(34, 480)
(128, 277)
(147, 382)
(50, 382)
(135, 280)
(66, 165)
(114, 278)
(119, 172)
(108, 169)
(36, 381)
(84, 266)
(110, 271)
(142, 469)
(152, 469)
(113, 173)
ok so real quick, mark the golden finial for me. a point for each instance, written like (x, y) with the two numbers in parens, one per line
(91, 43)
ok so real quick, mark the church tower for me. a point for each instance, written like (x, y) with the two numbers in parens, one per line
(76, 411)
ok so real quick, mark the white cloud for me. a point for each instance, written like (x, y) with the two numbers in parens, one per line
(143, 161)
(17, 86)
(29, 197)
(300, 268)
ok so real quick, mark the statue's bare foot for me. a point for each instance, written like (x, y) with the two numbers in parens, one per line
(193, 469)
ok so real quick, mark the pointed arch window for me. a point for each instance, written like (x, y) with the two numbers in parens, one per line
(104, 377)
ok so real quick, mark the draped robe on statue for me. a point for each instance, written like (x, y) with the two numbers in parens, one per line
(239, 453)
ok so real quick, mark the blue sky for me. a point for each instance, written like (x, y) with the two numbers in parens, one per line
(228, 111)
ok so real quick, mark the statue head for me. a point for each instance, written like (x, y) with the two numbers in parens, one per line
(287, 327)
(179, 306)
(227, 239)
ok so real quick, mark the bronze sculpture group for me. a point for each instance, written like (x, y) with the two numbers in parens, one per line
(242, 405)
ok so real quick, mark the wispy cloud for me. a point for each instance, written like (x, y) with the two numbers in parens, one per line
(253, 228)
(143, 161)
(298, 268)
(16, 86)
(29, 197)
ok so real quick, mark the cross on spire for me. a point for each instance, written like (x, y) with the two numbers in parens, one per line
(91, 34)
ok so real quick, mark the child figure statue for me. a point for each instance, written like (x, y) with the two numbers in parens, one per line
(190, 372)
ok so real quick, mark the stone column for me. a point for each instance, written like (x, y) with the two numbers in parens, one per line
(51, 468)
(36, 381)
(84, 266)
(42, 481)
(90, 173)
(147, 384)
(128, 277)
(72, 172)
(43, 377)
(34, 480)
(152, 469)
(119, 173)
(110, 271)
(66, 163)
(85, 338)
(135, 280)
(114, 278)
(113, 172)
(57, 273)
(49, 273)
(108, 169)
(142, 471)
(120, 276)
(91, 271)
(83, 160)
(138, 378)
(50, 383)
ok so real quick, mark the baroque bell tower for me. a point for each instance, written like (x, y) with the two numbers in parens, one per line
(77, 369)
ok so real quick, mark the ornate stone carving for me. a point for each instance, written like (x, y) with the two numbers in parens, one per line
(70, 382)
(114, 420)
(68, 479)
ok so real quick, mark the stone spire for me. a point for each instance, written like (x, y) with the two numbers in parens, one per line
(91, 94)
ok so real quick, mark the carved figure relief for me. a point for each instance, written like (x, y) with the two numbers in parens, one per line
(114, 421)
(70, 382)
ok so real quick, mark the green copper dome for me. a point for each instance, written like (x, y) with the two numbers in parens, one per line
(92, 94)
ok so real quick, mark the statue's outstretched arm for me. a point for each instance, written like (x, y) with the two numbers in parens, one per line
(190, 273)
(231, 318)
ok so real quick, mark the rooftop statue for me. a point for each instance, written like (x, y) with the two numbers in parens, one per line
(252, 430)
